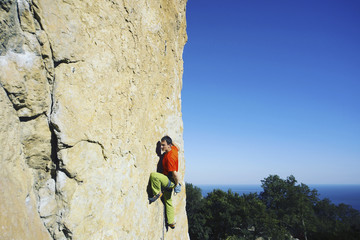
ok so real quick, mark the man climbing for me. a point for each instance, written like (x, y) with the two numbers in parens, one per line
(163, 183)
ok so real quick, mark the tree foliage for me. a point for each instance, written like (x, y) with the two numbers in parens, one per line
(196, 213)
(283, 210)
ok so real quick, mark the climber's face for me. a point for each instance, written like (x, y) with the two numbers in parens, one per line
(165, 147)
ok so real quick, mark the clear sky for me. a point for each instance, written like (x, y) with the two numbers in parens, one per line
(272, 87)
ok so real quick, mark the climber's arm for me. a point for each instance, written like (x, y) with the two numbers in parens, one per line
(176, 146)
(175, 176)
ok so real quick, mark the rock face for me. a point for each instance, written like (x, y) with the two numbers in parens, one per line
(87, 88)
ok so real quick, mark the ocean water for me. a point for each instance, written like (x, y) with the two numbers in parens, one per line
(348, 194)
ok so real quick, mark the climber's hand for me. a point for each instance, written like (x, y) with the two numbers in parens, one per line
(177, 188)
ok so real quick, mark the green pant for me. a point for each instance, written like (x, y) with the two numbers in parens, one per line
(160, 181)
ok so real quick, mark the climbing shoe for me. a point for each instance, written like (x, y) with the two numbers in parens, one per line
(172, 225)
(156, 197)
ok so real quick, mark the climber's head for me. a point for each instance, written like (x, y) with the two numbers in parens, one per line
(166, 143)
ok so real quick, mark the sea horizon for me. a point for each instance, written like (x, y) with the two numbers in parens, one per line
(337, 193)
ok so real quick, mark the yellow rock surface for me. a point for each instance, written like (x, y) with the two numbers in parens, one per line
(88, 88)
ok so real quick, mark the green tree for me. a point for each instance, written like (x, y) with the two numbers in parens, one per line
(195, 209)
(292, 204)
(333, 222)
(325, 220)
(257, 221)
(347, 222)
(240, 217)
(283, 209)
(221, 218)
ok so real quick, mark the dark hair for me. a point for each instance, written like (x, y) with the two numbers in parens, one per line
(167, 139)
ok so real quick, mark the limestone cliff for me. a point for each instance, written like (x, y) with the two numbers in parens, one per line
(87, 88)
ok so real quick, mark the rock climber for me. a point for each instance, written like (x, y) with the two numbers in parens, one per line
(163, 183)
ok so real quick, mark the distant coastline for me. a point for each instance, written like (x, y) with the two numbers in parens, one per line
(337, 193)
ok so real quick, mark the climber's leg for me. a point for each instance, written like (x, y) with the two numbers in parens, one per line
(169, 207)
(158, 181)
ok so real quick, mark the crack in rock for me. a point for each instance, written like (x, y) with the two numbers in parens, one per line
(66, 61)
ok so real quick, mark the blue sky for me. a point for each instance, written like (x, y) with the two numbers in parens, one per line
(272, 87)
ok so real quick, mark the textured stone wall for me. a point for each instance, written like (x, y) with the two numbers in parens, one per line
(87, 88)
